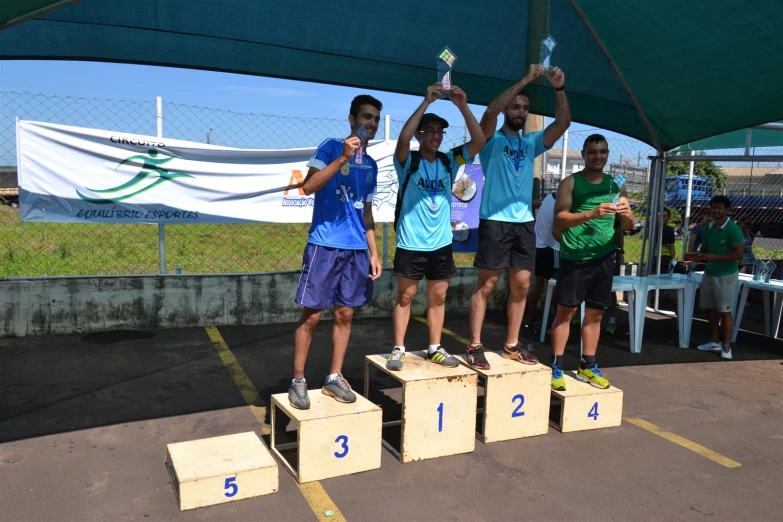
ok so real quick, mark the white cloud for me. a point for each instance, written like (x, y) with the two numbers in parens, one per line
(270, 91)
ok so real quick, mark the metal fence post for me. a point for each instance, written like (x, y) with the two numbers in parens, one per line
(161, 226)
(386, 137)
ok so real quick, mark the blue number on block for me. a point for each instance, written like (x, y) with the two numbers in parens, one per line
(344, 440)
(231, 484)
(440, 417)
(516, 412)
(594, 412)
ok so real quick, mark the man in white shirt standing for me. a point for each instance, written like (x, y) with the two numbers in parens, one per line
(547, 257)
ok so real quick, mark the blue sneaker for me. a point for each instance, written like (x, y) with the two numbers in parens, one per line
(558, 382)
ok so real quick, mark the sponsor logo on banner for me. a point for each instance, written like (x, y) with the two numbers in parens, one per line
(303, 200)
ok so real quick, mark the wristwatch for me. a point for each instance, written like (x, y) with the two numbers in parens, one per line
(560, 88)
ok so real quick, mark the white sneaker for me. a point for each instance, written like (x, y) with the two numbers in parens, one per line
(709, 346)
(725, 353)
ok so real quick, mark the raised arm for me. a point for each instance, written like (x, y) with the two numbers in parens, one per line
(316, 179)
(409, 129)
(562, 111)
(477, 138)
(489, 121)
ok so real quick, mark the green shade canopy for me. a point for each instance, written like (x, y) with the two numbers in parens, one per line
(736, 140)
(666, 72)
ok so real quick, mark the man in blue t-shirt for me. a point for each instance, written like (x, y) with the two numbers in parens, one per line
(336, 267)
(506, 233)
(424, 226)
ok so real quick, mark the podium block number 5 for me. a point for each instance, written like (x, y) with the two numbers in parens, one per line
(232, 486)
(593, 412)
(521, 398)
(344, 440)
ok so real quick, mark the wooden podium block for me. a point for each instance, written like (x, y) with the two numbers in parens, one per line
(516, 399)
(333, 438)
(438, 407)
(220, 469)
(584, 407)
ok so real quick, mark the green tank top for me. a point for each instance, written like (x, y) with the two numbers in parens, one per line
(595, 238)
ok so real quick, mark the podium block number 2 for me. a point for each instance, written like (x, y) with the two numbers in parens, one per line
(517, 413)
(231, 486)
(593, 413)
(344, 447)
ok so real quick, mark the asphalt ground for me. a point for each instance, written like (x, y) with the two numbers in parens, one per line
(85, 420)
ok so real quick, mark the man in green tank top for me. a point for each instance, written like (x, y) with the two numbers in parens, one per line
(587, 204)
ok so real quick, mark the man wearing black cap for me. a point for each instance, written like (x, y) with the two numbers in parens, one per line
(423, 223)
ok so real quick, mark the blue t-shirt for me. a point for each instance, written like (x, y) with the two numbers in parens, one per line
(506, 196)
(696, 231)
(336, 223)
(421, 227)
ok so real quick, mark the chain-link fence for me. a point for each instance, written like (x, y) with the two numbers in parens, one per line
(51, 249)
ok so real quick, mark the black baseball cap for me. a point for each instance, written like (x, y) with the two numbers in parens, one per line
(430, 117)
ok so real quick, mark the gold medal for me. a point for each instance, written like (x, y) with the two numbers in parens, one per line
(346, 169)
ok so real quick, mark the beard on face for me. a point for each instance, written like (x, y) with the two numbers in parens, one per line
(513, 125)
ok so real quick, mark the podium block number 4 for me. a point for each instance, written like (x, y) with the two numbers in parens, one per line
(232, 486)
(344, 440)
(521, 398)
(593, 413)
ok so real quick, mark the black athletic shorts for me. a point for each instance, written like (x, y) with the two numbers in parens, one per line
(434, 265)
(547, 262)
(585, 281)
(503, 244)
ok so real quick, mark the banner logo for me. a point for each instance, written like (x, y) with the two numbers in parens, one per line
(150, 164)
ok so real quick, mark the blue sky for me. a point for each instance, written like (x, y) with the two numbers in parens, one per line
(225, 91)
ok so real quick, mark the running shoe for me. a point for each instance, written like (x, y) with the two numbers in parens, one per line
(442, 357)
(339, 389)
(297, 395)
(709, 346)
(593, 377)
(519, 353)
(395, 359)
(558, 382)
(476, 358)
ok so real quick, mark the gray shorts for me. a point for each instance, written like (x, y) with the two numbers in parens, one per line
(719, 292)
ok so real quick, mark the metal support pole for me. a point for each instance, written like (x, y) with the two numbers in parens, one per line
(161, 226)
(385, 245)
(686, 228)
(659, 219)
(564, 157)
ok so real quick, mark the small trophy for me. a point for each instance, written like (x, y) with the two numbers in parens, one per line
(548, 44)
(618, 180)
(358, 156)
(446, 60)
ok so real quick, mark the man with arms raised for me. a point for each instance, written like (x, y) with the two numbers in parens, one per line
(336, 267)
(586, 208)
(424, 226)
(506, 234)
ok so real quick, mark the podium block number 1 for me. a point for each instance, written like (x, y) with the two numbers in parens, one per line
(440, 417)
(344, 440)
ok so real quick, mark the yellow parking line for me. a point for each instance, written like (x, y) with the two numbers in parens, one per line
(446, 331)
(685, 443)
(313, 492)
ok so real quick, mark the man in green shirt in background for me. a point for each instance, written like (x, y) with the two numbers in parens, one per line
(722, 249)
(587, 204)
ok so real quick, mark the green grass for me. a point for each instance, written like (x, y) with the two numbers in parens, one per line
(58, 249)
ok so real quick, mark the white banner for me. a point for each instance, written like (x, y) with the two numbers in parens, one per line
(74, 174)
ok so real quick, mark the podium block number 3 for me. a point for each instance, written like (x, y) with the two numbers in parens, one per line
(517, 413)
(593, 413)
(231, 486)
(344, 447)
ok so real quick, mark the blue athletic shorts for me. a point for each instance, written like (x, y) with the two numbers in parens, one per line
(334, 276)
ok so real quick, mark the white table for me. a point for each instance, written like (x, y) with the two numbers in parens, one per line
(619, 284)
(774, 287)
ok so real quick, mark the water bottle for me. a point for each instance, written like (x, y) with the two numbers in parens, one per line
(178, 270)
